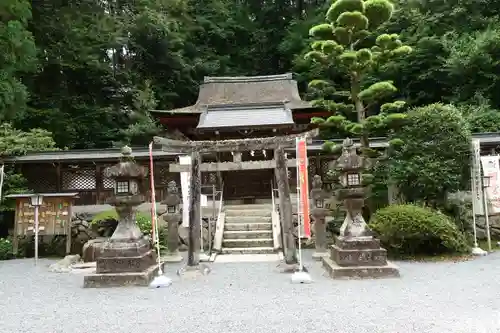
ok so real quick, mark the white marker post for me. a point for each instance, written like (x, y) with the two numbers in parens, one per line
(477, 193)
(203, 203)
(36, 201)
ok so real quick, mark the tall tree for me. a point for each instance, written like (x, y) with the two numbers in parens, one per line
(17, 56)
(350, 44)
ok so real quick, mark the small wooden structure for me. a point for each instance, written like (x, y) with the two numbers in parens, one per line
(54, 216)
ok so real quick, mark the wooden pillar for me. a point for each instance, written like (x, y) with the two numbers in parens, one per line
(59, 178)
(285, 203)
(98, 184)
(68, 226)
(194, 212)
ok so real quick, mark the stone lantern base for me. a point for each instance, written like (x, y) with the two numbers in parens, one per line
(358, 258)
(124, 263)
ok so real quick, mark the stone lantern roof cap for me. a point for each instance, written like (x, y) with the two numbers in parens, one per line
(349, 160)
(127, 167)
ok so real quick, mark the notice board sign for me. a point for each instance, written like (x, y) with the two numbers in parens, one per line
(54, 216)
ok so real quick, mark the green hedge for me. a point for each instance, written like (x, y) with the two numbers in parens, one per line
(416, 230)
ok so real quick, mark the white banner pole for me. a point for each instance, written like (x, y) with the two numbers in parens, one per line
(476, 193)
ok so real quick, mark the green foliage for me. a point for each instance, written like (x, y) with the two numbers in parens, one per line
(472, 62)
(430, 154)
(18, 55)
(481, 117)
(16, 142)
(350, 42)
(415, 230)
(6, 249)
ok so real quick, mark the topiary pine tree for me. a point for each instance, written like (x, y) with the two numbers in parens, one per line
(350, 45)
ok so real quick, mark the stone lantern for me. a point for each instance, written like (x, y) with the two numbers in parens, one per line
(127, 257)
(350, 166)
(173, 218)
(319, 212)
(356, 253)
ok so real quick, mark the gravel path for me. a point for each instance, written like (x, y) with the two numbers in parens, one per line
(254, 298)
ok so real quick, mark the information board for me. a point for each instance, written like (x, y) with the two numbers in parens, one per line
(54, 216)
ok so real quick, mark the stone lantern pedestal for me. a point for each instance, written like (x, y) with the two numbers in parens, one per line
(127, 258)
(358, 258)
(356, 253)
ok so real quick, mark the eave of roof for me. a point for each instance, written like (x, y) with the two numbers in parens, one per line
(487, 139)
(77, 155)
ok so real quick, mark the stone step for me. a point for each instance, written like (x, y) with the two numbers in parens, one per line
(245, 234)
(248, 212)
(248, 219)
(247, 226)
(251, 207)
(248, 250)
(244, 243)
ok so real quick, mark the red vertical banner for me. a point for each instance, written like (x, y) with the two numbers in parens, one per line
(303, 184)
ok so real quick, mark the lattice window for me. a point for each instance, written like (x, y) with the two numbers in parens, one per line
(107, 182)
(209, 178)
(312, 167)
(80, 179)
(325, 168)
(122, 187)
(42, 181)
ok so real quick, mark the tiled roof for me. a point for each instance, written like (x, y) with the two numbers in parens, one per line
(245, 116)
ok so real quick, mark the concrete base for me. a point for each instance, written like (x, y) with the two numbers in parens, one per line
(335, 271)
(318, 255)
(123, 279)
(193, 272)
(301, 278)
(160, 281)
(204, 257)
(477, 251)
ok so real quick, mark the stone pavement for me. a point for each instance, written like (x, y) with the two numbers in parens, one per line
(253, 298)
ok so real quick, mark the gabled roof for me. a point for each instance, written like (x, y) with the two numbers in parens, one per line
(246, 90)
(245, 115)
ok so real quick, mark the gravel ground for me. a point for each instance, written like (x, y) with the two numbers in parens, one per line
(255, 298)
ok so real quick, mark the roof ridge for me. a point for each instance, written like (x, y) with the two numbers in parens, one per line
(247, 79)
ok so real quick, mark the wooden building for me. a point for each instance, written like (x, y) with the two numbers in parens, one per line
(239, 108)
(226, 108)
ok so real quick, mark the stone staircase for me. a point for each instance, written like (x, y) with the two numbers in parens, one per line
(248, 229)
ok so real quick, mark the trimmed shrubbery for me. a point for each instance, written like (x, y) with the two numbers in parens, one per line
(415, 230)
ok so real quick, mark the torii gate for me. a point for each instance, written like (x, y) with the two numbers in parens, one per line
(279, 163)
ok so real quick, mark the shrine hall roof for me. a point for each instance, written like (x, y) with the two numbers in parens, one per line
(245, 115)
(245, 90)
